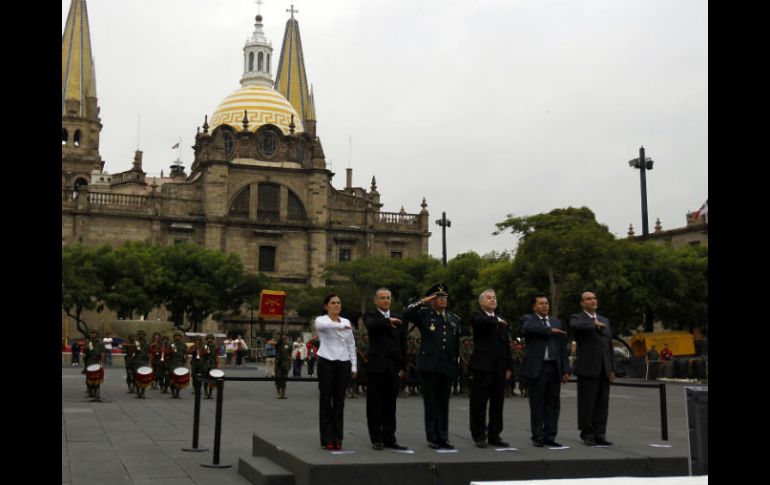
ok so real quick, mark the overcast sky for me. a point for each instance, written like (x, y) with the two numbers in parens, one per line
(485, 108)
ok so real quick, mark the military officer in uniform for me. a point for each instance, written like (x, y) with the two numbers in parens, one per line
(282, 364)
(141, 358)
(129, 347)
(155, 347)
(162, 363)
(94, 354)
(209, 361)
(437, 360)
(176, 359)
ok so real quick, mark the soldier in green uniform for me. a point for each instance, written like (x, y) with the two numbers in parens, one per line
(155, 347)
(209, 361)
(176, 359)
(94, 354)
(282, 364)
(437, 360)
(129, 347)
(162, 364)
(141, 359)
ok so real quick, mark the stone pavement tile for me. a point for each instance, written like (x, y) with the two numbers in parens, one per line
(150, 463)
(164, 481)
(96, 464)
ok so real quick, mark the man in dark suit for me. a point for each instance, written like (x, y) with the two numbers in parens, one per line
(595, 368)
(546, 366)
(385, 370)
(492, 366)
(437, 360)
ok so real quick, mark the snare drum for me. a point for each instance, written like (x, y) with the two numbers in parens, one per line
(180, 377)
(144, 376)
(216, 373)
(94, 374)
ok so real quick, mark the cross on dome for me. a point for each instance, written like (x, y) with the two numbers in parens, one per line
(292, 10)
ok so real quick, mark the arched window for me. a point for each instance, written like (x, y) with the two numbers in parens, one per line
(76, 138)
(268, 63)
(269, 202)
(268, 143)
(296, 212)
(240, 205)
(79, 184)
(228, 138)
(64, 136)
(260, 62)
(251, 61)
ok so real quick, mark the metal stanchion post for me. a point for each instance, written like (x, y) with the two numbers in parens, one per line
(663, 413)
(217, 429)
(196, 414)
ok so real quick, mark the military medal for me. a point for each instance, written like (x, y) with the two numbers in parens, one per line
(432, 327)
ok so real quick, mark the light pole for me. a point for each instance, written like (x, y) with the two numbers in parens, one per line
(444, 223)
(643, 164)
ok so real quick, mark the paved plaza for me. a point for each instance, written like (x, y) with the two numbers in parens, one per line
(139, 441)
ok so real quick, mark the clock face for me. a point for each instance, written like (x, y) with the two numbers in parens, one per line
(268, 143)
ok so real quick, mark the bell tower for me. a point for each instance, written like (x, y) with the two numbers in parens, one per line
(80, 113)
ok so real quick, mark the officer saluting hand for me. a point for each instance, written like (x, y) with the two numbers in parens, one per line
(437, 360)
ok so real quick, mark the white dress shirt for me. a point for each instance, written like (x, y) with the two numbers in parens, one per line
(336, 340)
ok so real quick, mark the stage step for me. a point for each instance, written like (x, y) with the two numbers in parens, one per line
(262, 471)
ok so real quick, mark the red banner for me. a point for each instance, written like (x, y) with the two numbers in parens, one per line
(271, 304)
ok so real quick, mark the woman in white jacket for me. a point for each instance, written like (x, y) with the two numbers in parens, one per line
(298, 356)
(336, 366)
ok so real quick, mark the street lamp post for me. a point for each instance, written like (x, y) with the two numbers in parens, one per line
(444, 223)
(643, 164)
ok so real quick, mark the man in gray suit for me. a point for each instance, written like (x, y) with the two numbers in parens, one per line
(595, 368)
(546, 366)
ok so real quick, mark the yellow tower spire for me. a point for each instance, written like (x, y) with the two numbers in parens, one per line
(78, 78)
(291, 80)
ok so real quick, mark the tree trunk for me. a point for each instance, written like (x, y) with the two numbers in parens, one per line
(82, 326)
(554, 293)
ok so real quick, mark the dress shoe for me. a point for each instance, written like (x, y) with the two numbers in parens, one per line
(553, 443)
(434, 444)
(589, 441)
(377, 446)
(539, 442)
(396, 446)
(602, 442)
(498, 442)
(481, 443)
(337, 446)
(446, 445)
(329, 447)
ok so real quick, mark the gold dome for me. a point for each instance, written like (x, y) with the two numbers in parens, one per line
(263, 104)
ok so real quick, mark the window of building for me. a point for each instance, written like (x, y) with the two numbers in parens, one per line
(260, 62)
(228, 137)
(267, 258)
(345, 254)
(268, 143)
(251, 61)
(301, 151)
(296, 212)
(240, 205)
(268, 63)
(397, 254)
(269, 202)
(64, 136)
(76, 138)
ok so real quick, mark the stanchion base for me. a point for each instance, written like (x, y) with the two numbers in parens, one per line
(211, 465)
(195, 449)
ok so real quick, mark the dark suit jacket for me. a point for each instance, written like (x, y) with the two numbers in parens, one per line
(537, 336)
(387, 345)
(491, 350)
(594, 346)
(439, 342)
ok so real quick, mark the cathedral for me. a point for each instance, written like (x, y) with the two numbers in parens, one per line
(258, 186)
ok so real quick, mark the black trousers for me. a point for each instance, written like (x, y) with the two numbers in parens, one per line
(382, 391)
(281, 376)
(487, 387)
(544, 402)
(333, 379)
(435, 398)
(593, 395)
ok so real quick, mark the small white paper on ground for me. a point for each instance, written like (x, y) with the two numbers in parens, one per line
(659, 446)
(447, 451)
(558, 447)
(506, 449)
(342, 452)
(601, 446)
(409, 452)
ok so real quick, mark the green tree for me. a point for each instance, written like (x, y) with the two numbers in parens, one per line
(129, 275)
(81, 284)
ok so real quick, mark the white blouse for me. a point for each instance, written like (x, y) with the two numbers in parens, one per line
(336, 340)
